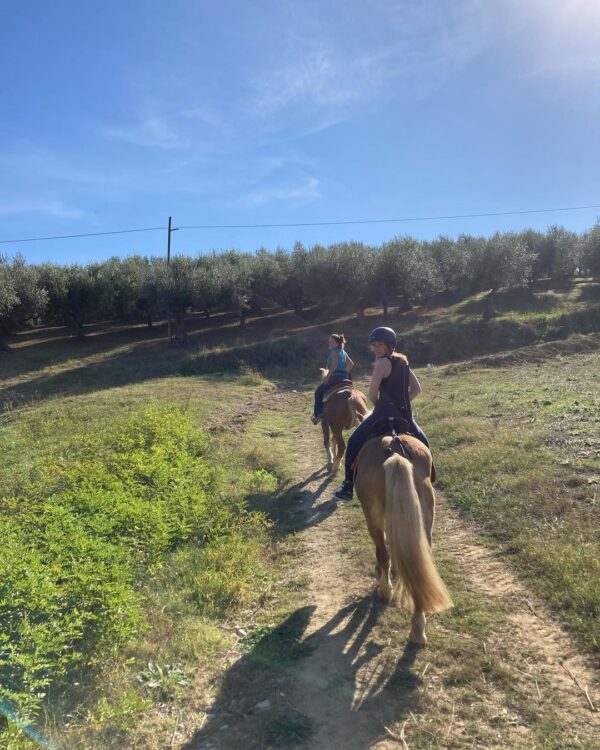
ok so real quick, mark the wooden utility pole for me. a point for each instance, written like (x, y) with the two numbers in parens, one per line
(169, 230)
(169, 242)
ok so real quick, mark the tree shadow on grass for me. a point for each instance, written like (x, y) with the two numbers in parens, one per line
(289, 686)
(40, 348)
(104, 370)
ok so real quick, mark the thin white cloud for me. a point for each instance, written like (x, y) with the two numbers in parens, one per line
(388, 50)
(54, 208)
(151, 130)
(567, 67)
(293, 195)
(36, 164)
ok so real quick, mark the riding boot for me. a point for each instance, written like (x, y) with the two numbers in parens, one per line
(345, 491)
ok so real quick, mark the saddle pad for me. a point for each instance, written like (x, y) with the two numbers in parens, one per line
(337, 389)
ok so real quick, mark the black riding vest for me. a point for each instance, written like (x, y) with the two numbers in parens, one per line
(393, 390)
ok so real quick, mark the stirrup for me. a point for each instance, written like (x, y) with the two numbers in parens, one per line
(315, 420)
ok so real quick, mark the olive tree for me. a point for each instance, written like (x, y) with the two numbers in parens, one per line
(22, 296)
(403, 269)
(268, 276)
(450, 270)
(235, 280)
(590, 251)
(76, 294)
(8, 300)
(296, 272)
(507, 261)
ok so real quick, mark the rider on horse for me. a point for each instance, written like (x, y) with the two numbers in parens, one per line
(339, 367)
(393, 386)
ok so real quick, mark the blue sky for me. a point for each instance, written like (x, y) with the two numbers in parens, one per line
(114, 115)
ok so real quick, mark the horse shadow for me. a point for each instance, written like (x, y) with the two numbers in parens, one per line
(297, 507)
(291, 688)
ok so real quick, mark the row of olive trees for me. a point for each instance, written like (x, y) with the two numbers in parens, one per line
(403, 270)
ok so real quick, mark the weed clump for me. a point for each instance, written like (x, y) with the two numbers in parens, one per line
(84, 535)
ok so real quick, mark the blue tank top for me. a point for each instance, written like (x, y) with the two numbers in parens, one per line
(341, 366)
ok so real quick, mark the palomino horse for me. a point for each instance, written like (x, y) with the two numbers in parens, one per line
(342, 409)
(398, 501)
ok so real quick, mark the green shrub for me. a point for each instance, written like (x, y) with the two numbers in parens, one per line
(81, 537)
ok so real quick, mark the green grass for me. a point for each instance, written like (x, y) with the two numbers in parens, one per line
(517, 450)
(468, 687)
(88, 521)
(84, 532)
(97, 525)
(190, 578)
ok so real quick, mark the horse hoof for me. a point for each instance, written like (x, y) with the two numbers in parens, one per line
(417, 640)
(387, 594)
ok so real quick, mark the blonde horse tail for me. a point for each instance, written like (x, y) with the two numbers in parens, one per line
(409, 550)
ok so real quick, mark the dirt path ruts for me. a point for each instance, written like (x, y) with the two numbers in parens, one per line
(342, 685)
(535, 638)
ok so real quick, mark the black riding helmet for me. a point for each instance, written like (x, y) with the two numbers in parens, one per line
(386, 335)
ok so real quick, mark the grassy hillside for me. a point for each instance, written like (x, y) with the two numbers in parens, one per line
(128, 492)
(518, 449)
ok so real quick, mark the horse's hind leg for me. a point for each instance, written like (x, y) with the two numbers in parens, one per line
(328, 451)
(427, 497)
(375, 525)
(417, 629)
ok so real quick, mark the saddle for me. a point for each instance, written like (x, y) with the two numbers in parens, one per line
(343, 385)
(396, 427)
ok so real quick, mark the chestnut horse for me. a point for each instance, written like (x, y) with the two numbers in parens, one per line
(343, 408)
(398, 501)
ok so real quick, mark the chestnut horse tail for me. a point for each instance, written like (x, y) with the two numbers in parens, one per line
(409, 550)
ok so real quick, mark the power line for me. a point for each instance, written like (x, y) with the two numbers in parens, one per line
(310, 223)
(88, 234)
(388, 221)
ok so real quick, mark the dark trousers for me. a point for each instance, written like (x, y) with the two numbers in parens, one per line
(364, 430)
(336, 377)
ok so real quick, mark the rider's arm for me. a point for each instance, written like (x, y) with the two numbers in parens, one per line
(333, 366)
(414, 387)
(349, 364)
(381, 370)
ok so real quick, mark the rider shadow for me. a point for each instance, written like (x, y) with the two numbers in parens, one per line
(308, 511)
(290, 687)
(298, 507)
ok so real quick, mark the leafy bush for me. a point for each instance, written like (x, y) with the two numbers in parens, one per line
(81, 537)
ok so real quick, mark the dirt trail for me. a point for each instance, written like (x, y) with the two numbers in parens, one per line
(357, 691)
(341, 685)
(535, 638)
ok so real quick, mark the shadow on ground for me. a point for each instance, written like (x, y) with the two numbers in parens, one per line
(299, 508)
(258, 705)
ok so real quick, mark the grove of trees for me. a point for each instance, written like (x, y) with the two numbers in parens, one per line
(402, 271)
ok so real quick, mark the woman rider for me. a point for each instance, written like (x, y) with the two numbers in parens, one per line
(393, 386)
(339, 367)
